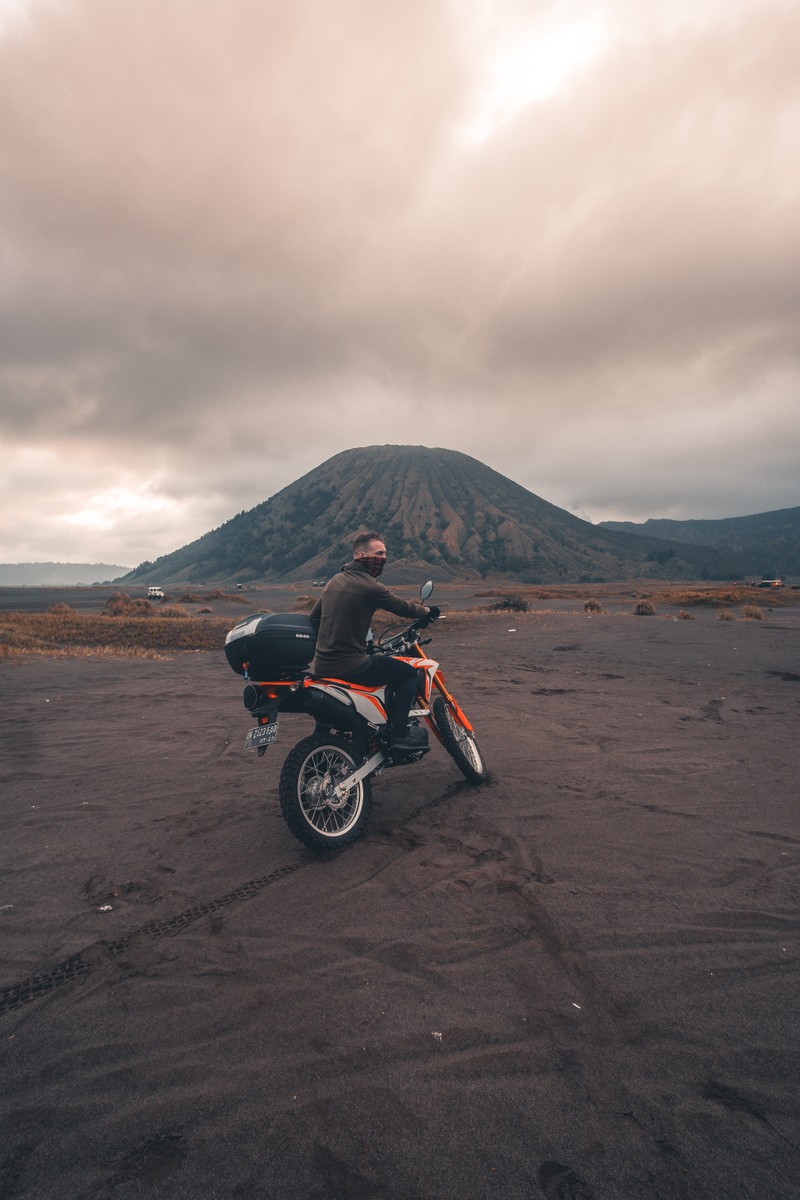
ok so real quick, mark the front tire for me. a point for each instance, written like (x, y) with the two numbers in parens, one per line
(315, 814)
(459, 742)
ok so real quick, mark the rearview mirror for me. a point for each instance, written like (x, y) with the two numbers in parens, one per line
(426, 590)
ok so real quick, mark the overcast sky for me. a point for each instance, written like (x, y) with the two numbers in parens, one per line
(239, 236)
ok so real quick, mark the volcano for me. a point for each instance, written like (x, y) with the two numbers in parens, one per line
(441, 513)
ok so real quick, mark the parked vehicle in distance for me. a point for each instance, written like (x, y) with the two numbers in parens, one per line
(155, 593)
(770, 583)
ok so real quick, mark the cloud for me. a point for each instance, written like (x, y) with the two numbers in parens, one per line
(239, 238)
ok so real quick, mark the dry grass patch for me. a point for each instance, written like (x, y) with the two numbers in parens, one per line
(752, 613)
(715, 595)
(17, 654)
(592, 606)
(712, 597)
(531, 592)
(683, 615)
(83, 634)
(644, 608)
(725, 615)
(216, 594)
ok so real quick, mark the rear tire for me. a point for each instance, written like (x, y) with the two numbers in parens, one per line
(459, 742)
(316, 816)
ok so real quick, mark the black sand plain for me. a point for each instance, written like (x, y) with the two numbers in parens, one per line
(578, 980)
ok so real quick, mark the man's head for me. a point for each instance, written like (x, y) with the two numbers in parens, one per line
(370, 551)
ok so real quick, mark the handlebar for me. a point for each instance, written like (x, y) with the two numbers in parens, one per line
(405, 638)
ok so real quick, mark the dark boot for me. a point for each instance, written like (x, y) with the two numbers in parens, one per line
(406, 741)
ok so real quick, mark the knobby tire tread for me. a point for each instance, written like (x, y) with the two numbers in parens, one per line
(290, 804)
(443, 716)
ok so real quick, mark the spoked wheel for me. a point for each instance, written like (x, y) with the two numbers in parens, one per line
(459, 742)
(316, 813)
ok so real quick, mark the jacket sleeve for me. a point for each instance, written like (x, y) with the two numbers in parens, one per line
(397, 605)
(315, 616)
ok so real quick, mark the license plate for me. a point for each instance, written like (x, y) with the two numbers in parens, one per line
(262, 735)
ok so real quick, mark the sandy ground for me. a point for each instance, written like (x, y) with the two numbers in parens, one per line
(578, 980)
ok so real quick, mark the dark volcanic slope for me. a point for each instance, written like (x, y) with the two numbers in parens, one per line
(440, 511)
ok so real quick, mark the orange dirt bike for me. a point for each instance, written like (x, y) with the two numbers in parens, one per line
(326, 782)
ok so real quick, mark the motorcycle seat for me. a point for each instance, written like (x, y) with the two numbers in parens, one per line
(347, 683)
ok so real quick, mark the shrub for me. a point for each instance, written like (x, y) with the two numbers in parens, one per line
(592, 606)
(204, 610)
(138, 607)
(753, 613)
(121, 605)
(509, 604)
(644, 608)
(116, 604)
(190, 598)
(172, 610)
(725, 614)
(61, 610)
(684, 616)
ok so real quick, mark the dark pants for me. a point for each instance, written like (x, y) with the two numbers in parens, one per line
(401, 681)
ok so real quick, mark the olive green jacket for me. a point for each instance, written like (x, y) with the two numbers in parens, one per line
(342, 616)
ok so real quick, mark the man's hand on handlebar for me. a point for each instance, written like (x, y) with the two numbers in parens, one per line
(433, 615)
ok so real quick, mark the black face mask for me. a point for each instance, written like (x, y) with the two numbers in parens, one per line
(373, 564)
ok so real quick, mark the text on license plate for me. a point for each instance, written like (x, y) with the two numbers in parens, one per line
(262, 735)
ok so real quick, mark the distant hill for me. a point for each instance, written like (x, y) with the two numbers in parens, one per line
(768, 543)
(442, 513)
(53, 574)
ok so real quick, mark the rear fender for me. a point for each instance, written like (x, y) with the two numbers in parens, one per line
(264, 700)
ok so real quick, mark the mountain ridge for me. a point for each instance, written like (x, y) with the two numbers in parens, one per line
(770, 541)
(57, 574)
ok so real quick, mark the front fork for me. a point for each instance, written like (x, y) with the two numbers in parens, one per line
(440, 685)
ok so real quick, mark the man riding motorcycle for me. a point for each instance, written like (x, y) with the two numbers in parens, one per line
(341, 619)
